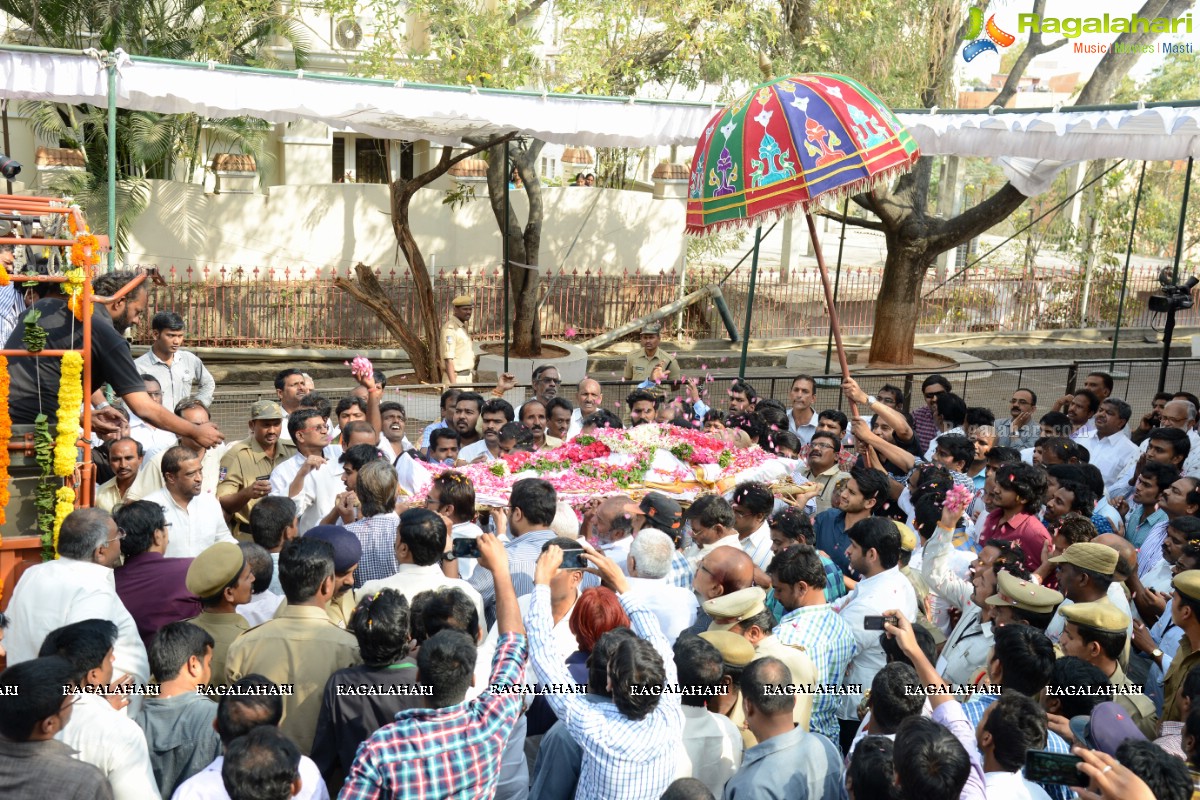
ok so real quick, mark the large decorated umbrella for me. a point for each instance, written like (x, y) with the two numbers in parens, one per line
(781, 148)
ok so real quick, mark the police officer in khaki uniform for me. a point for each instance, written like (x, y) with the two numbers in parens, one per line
(736, 653)
(642, 366)
(245, 475)
(458, 352)
(744, 612)
(1021, 602)
(1096, 633)
(220, 577)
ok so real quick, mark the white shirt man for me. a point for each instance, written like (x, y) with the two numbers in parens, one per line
(473, 451)
(193, 527)
(696, 552)
(150, 478)
(153, 440)
(883, 591)
(112, 742)
(649, 564)
(758, 546)
(564, 641)
(412, 579)
(1110, 449)
(712, 748)
(207, 784)
(320, 490)
(56, 593)
(177, 379)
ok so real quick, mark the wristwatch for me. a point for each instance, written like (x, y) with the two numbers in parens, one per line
(1156, 654)
(449, 556)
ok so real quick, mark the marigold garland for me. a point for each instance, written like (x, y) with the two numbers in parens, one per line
(4, 279)
(64, 504)
(73, 286)
(85, 252)
(5, 437)
(70, 407)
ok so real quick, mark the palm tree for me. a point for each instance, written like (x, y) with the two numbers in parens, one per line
(150, 145)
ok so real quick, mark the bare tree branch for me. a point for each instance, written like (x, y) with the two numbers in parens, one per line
(860, 222)
(522, 14)
(1116, 63)
(1034, 47)
(975, 220)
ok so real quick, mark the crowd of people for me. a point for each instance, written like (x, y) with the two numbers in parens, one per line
(935, 604)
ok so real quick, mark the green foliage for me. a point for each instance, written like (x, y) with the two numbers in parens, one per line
(150, 145)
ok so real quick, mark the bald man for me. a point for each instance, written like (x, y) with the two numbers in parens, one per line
(588, 399)
(723, 570)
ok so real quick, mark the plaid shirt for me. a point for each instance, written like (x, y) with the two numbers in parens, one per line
(681, 571)
(835, 579)
(622, 757)
(973, 710)
(830, 643)
(451, 752)
(378, 537)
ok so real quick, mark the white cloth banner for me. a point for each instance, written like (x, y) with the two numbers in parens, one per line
(1032, 146)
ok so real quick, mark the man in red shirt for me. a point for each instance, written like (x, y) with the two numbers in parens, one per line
(1017, 498)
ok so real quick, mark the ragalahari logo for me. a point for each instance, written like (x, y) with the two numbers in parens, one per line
(992, 37)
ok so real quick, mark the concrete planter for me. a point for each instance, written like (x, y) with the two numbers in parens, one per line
(572, 367)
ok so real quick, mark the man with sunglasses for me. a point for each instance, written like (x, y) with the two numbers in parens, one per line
(924, 424)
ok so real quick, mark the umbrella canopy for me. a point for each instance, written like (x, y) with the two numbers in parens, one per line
(786, 143)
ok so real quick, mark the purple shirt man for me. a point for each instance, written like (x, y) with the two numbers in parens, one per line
(152, 589)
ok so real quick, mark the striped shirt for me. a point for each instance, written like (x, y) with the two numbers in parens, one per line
(622, 757)
(758, 546)
(447, 752)
(523, 552)
(681, 571)
(830, 643)
(973, 710)
(378, 537)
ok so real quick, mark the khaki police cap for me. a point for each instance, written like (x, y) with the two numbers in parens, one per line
(1014, 592)
(652, 328)
(266, 409)
(1090, 556)
(1188, 583)
(908, 537)
(735, 650)
(463, 300)
(730, 609)
(1101, 615)
(213, 569)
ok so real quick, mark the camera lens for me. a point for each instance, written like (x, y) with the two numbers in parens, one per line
(9, 168)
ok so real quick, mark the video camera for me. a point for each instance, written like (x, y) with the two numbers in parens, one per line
(9, 169)
(1174, 297)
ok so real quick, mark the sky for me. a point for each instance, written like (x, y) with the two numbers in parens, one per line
(1064, 59)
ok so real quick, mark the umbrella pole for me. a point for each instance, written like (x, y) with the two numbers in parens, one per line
(833, 317)
(750, 303)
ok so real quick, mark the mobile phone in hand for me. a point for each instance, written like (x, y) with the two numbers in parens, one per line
(573, 559)
(465, 548)
(875, 623)
(1043, 766)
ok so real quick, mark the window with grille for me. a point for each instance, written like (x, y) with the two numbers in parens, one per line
(371, 164)
(339, 159)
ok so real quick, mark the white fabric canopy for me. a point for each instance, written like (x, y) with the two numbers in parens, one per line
(1032, 145)
(441, 115)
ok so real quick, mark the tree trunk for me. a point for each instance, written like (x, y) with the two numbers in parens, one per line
(524, 242)
(899, 305)
(420, 340)
(914, 240)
